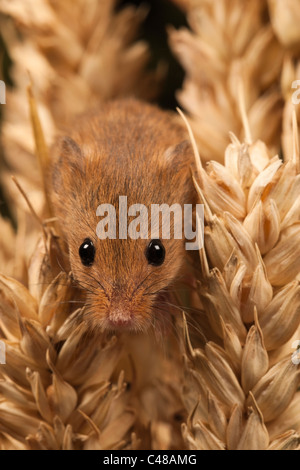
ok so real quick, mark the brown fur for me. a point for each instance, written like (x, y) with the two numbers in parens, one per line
(124, 148)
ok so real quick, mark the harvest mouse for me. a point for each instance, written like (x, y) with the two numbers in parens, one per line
(122, 148)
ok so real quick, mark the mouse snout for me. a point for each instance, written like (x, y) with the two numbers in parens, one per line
(120, 318)
(122, 306)
(120, 312)
(126, 311)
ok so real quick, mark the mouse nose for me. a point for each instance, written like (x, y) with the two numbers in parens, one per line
(120, 317)
(120, 322)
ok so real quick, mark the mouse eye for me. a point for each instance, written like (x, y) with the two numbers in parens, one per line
(87, 252)
(155, 253)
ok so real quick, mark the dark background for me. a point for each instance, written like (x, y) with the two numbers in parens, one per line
(161, 14)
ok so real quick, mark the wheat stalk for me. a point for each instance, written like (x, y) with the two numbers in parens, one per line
(242, 384)
(229, 42)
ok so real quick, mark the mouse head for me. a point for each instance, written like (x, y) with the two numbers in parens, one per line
(125, 277)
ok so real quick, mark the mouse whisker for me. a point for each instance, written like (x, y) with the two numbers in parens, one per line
(60, 265)
(190, 315)
(155, 283)
(140, 284)
(161, 323)
(98, 283)
(85, 288)
(46, 284)
(181, 307)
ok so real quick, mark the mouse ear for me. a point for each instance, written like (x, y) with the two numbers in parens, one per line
(180, 162)
(179, 156)
(68, 159)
